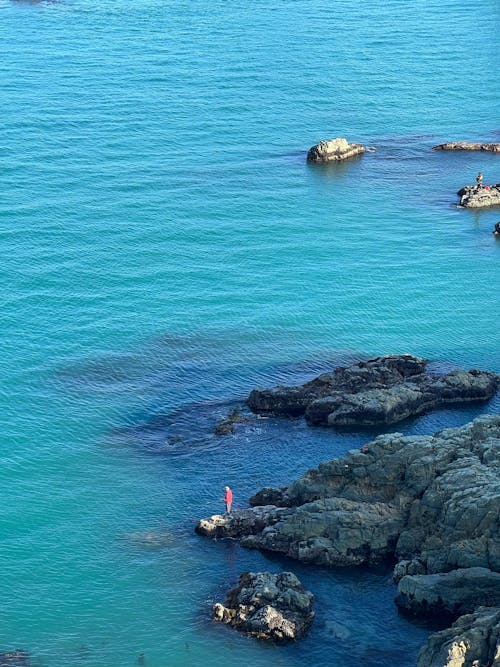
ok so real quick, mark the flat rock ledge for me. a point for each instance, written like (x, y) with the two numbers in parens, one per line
(274, 607)
(380, 391)
(334, 150)
(449, 594)
(468, 146)
(432, 501)
(473, 197)
(473, 641)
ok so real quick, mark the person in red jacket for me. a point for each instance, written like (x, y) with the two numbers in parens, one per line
(228, 499)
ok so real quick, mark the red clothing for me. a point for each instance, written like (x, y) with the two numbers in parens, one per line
(228, 498)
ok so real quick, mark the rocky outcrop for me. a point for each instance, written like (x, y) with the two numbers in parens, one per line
(468, 146)
(379, 391)
(268, 606)
(334, 150)
(431, 498)
(449, 594)
(471, 196)
(473, 641)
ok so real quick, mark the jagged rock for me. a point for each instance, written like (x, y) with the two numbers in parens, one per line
(269, 496)
(471, 196)
(468, 146)
(334, 150)
(268, 606)
(431, 498)
(473, 641)
(405, 567)
(383, 390)
(450, 593)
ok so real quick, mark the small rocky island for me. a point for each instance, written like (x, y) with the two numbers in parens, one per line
(432, 503)
(472, 196)
(275, 607)
(334, 150)
(468, 146)
(380, 391)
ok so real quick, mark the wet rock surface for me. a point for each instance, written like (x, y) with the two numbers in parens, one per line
(468, 146)
(473, 197)
(274, 607)
(473, 641)
(449, 594)
(334, 150)
(435, 499)
(379, 391)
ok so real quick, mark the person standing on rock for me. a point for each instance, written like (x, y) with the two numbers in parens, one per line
(228, 499)
(479, 180)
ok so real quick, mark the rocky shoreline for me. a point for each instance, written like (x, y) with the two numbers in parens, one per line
(432, 503)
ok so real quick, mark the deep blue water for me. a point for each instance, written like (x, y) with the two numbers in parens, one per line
(165, 249)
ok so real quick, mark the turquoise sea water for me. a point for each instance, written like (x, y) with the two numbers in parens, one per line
(165, 249)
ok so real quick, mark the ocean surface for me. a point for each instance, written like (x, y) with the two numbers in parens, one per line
(165, 249)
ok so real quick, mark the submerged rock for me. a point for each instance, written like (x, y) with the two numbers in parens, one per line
(226, 426)
(473, 641)
(449, 593)
(268, 606)
(334, 150)
(15, 658)
(431, 498)
(468, 146)
(379, 391)
(471, 196)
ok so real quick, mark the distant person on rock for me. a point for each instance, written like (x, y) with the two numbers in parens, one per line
(228, 499)
(479, 180)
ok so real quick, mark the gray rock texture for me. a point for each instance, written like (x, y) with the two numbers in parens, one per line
(473, 197)
(379, 391)
(468, 146)
(449, 593)
(274, 607)
(473, 641)
(435, 499)
(334, 150)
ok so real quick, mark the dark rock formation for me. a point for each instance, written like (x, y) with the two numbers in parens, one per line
(473, 641)
(380, 391)
(268, 606)
(496, 229)
(226, 426)
(431, 498)
(334, 150)
(471, 196)
(405, 567)
(269, 496)
(449, 594)
(468, 146)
